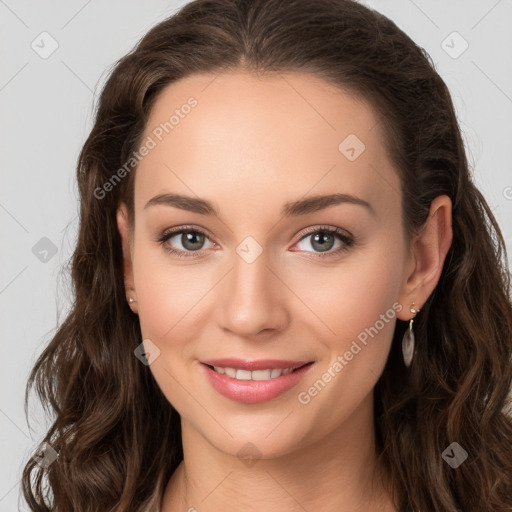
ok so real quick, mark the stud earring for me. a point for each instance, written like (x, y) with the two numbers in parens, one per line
(408, 340)
(131, 299)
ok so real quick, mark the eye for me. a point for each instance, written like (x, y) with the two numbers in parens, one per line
(190, 241)
(322, 239)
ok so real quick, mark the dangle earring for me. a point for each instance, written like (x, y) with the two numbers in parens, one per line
(408, 340)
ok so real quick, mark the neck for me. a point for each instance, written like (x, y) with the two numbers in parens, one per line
(337, 473)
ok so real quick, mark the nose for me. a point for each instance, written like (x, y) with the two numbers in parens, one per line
(253, 298)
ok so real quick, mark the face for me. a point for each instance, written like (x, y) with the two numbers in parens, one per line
(267, 276)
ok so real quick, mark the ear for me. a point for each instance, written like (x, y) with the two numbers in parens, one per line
(428, 253)
(127, 246)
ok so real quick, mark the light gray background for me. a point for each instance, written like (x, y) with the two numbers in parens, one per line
(46, 107)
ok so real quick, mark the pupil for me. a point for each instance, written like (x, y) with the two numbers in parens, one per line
(190, 241)
(322, 246)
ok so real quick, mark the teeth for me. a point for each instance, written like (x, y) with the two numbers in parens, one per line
(230, 372)
(240, 374)
(260, 374)
(243, 375)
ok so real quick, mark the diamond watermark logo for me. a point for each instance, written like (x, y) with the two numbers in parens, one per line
(147, 352)
(249, 250)
(44, 250)
(351, 147)
(455, 455)
(45, 455)
(44, 45)
(454, 45)
(249, 454)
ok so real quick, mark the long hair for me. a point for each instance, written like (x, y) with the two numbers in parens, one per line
(117, 437)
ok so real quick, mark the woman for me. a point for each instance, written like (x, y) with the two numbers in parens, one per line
(289, 293)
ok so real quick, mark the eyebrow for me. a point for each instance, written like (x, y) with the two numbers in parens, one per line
(291, 209)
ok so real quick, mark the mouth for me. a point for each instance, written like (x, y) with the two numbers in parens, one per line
(263, 374)
(267, 381)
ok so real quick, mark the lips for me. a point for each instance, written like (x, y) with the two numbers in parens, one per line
(252, 381)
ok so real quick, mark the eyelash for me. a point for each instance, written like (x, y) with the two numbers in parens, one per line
(166, 235)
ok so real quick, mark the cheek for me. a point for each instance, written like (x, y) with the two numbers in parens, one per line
(368, 295)
(357, 302)
(169, 309)
(167, 294)
(351, 297)
(359, 306)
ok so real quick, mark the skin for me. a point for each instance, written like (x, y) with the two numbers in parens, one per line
(249, 146)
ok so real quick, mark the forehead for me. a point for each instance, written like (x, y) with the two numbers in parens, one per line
(282, 135)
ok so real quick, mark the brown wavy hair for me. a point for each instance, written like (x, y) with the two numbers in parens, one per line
(117, 437)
